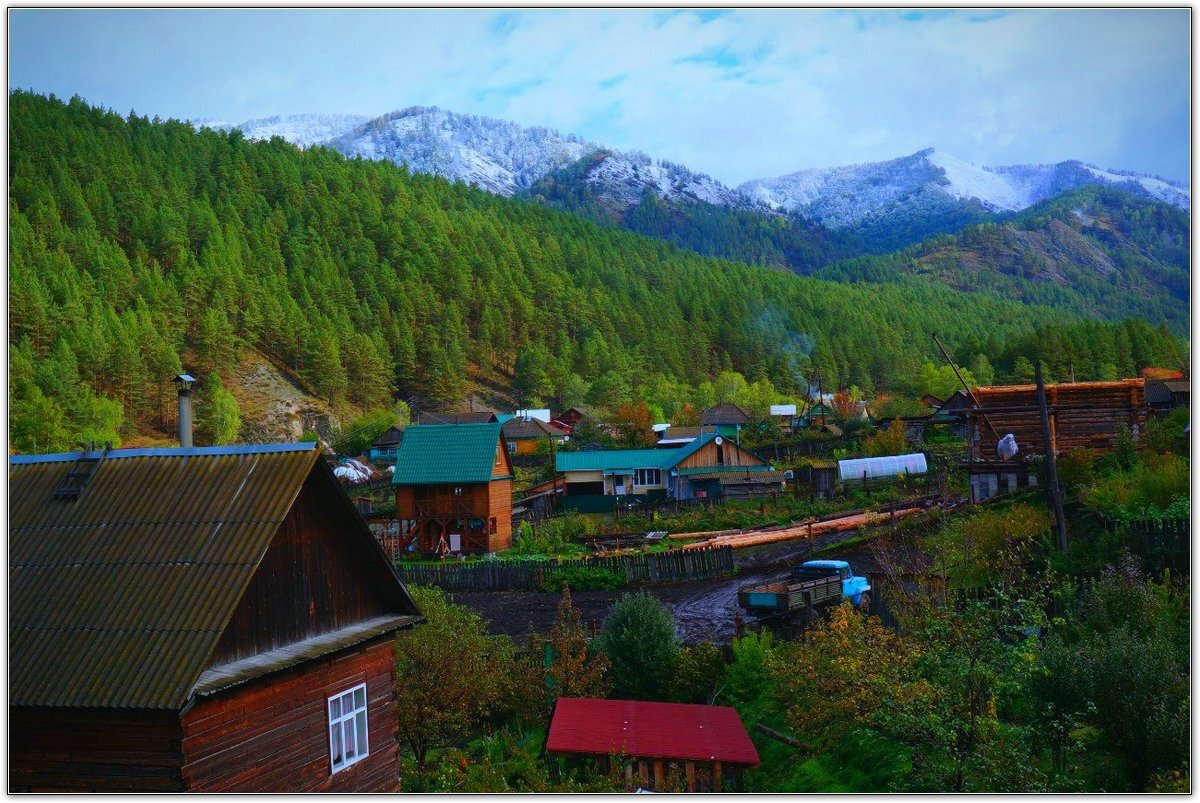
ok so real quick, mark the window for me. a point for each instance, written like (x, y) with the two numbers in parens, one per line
(647, 476)
(512, 447)
(348, 727)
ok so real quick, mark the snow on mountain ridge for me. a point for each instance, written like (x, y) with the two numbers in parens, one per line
(842, 196)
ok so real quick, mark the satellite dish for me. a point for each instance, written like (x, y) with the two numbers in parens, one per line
(718, 441)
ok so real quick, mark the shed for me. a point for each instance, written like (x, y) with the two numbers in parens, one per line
(203, 619)
(703, 748)
(1168, 394)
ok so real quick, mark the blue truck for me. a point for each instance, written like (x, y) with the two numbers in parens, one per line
(812, 586)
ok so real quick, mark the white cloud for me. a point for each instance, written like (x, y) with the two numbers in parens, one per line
(741, 95)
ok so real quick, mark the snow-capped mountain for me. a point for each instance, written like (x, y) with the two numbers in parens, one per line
(619, 180)
(300, 129)
(843, 196)
(495, 155)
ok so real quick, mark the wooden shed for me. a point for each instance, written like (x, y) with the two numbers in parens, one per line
(202, 619)
(454, 486)
(659, 746)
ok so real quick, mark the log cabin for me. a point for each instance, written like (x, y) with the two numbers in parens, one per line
(657, 746)
(210, 619)
(454, 488)
(523, 435)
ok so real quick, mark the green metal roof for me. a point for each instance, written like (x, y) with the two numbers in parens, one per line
(442, 454)
(627, 459)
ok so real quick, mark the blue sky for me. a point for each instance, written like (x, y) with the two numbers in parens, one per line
(737, 94)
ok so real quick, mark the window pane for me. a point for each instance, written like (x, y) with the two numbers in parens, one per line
(360, 722)
(360, 698)
(348, 735)
(335, 708)
(337, 745)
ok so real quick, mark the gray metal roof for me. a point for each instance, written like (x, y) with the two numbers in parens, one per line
(118, 598)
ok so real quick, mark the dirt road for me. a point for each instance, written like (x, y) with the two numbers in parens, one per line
(704, 610)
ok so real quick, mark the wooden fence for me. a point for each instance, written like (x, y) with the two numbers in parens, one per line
(1165, 544)
(498, 575)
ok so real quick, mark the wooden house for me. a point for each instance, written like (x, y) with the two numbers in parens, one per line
(454, 488)
(728, 418)
(201, 619)
(383, 448)
(524, 434)
(710, 465)
(568, 418)
(1164, 395)
(658, 746)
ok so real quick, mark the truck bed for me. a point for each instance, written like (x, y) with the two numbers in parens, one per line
(769, 598)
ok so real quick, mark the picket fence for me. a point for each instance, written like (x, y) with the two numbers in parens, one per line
(503, 575)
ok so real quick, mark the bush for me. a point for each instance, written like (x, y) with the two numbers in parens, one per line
(639, 638)
(559, 536)
(1154, 488)
(582, 578)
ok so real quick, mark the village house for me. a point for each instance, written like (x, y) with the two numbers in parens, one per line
(727, 418)
(523, 435)
(1164, 395)
(785, 416)
(659, 746)
(568, 418)
(674, 437)
(198, 619)
(454, 488)
(383, 448)
(709, 466)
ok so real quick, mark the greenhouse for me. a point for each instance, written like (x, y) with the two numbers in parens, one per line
(873, 468)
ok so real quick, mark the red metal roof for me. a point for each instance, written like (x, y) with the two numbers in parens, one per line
(653, 730)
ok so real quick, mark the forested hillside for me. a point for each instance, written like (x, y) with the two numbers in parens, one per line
(139, 247)
(1095, 250)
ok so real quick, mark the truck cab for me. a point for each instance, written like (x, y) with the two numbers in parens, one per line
(854, 588)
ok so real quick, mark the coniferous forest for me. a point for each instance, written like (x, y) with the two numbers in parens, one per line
(141, 247)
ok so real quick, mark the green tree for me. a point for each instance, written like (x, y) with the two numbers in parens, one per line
(219, 418)
(638, 636)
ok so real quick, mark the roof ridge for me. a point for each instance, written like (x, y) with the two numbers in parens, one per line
(165, 451)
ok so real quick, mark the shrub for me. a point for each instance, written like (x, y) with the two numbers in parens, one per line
(639, 638)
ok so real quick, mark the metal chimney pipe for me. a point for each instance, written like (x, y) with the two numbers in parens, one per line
(184, 383)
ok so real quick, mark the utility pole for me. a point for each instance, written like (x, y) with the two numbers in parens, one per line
(1052, 490)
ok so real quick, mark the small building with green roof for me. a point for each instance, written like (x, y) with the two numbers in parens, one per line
(711, 465)
(454, 488)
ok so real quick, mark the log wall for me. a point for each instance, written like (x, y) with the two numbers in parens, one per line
(81, 750)
(272, 735)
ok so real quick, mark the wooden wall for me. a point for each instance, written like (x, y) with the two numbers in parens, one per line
(80, 750)
(706, 456)
(315, 578)
(272, 735)
(500, 508)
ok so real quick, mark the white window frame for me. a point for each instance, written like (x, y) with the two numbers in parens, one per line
(645, 473)
(347, 715)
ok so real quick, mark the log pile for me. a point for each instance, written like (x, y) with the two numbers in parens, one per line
(1082, 415)
(809, 529)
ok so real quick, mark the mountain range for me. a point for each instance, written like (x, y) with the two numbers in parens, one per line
(505, 158)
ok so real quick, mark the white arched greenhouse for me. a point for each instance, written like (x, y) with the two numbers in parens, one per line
(876, 468)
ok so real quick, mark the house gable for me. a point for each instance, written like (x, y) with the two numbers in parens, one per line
(322, 572)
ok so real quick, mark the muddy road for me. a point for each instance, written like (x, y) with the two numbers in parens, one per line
(704, 610)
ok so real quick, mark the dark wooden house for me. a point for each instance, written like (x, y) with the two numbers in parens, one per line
(202, 619)
(383, 448)
(658, 746)
(1164, 395)
(454, 488)
(523, 435)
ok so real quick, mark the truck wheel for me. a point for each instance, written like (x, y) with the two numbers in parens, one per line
(864, 603)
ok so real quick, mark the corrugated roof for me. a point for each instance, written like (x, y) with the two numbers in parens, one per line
(444, 454)
(727, 413)
(526, 428)
(649, 730)
(627, 459)
(117, 598)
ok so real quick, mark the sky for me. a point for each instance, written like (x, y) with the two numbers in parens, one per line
(737, 94)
